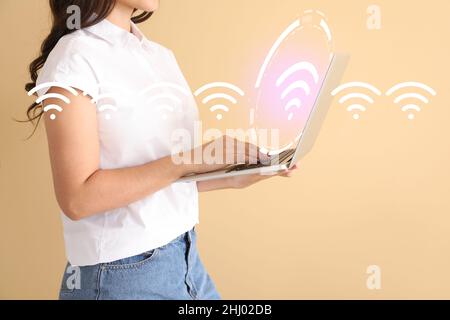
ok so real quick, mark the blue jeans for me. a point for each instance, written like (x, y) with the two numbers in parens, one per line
(171, 272)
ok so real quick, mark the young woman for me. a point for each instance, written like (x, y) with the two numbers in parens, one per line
(128, 226)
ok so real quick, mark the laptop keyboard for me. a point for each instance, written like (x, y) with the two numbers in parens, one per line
(282, 158)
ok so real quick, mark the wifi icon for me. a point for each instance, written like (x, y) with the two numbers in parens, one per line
(357, 101)
(165, 96)
(294, 85)
(219, 102)
(108, 107)
(165, 103)
(410, 100)
(52, 107)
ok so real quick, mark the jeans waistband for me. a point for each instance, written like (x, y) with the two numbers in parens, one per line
(185, 237)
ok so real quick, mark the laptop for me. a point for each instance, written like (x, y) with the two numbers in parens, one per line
(288, 158)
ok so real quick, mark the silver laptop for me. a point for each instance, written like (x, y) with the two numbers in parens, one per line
(288, 158)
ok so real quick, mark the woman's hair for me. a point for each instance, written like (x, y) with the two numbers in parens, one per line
(92, 12)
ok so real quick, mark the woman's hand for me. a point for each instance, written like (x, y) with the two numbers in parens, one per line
(241, 182)
(245, 181)
(219, 154)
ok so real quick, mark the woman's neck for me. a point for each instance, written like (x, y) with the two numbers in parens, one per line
(121, 16)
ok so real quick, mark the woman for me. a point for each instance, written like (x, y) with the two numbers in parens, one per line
(128, 226)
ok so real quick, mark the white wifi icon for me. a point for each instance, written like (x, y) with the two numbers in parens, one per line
(108, 107)
(409, 101)
(357, 101)
(219, 101)
(167, 98)
(52, 107)
(166, 107)
(302, 85)
(107, 101)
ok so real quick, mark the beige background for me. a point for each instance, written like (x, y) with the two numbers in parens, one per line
(375, 191)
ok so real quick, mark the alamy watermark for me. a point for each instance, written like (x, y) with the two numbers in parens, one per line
(215, 147)
(374, 18)
(73, 281)
(74, 20)
(373, 281)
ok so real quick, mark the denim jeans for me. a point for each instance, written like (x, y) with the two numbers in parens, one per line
(171, 272)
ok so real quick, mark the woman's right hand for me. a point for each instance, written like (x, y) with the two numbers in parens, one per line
(221, 153)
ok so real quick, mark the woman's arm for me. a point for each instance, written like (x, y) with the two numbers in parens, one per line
(213, 185)
(81, 188)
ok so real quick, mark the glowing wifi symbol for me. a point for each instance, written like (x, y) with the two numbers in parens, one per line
(106, 107)
(166, 100)
(295, 102)
(224, 98)
(310, 18)
(52, 107)
(360, 99)
(323, 25)
(411, 96)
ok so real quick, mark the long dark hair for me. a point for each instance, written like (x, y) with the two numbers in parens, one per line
(92, 12)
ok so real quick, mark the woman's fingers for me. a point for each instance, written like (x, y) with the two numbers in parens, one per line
(254, 155)
(251, 153)
(288, 172)
(245, 181)
(237, 151)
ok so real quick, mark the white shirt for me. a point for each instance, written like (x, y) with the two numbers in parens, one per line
(141, 98)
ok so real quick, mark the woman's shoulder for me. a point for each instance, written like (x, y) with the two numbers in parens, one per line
(70, 62)
(78, 42)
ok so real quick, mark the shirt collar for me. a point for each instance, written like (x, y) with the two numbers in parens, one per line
(118, 36)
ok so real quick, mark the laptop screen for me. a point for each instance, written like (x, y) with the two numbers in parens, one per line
(289, 86)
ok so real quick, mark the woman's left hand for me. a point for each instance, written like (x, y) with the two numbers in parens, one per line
(241, 182)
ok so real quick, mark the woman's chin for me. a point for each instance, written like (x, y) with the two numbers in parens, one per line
(147, 5)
